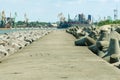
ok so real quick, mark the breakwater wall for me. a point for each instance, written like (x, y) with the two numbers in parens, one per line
(103, 41)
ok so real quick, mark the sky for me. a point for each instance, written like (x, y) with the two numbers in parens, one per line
(48, 10)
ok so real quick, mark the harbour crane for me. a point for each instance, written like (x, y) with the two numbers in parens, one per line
(61, 17)
(26, 19)
(3, 16)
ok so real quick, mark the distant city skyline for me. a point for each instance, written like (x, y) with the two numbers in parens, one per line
(48, 10)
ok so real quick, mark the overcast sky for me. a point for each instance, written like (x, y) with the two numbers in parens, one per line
(47, 10)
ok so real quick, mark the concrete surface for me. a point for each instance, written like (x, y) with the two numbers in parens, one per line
(54, 57)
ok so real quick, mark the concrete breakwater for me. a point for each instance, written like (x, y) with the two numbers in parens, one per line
(13, 40)
(55, 57)
(103, 41)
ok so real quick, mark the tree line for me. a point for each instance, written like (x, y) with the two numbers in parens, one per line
(106, 22)
(31, 24)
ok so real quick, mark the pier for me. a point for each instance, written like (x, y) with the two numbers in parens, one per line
(55, 57)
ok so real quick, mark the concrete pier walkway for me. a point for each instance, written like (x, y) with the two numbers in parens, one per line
(54, 57)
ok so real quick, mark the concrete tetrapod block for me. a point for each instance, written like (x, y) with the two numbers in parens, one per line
(93, 34)
(118, 30)
(103, 35)
(94, 49)
(100, 53)
(86, 41)
(102, 45)
(114, 51)
(105, 27)
(3, 52)
(81, 42)
(117, 64)
(114, 34)
(113, 54)
(106, 57)
(79, 35)
(89, 41)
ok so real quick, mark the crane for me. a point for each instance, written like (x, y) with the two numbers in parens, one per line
(3, 16)
(61, 17)
(26, 19)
